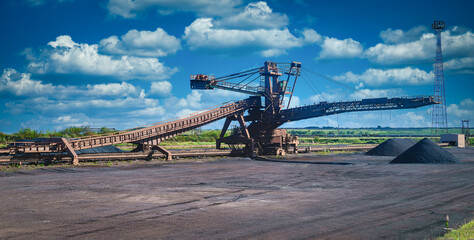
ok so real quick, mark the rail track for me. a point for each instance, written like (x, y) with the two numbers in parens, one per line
(175, 153)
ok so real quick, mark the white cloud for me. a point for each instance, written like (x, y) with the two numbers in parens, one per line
(255, 15)
(131, 8)
(52, 106)
(141, 43)
(119, 105)
(20, 84)
(192, 100)
(410, 52)
(332, 48)
(376, 93)
(464, 110)
(63, 41)
(73, 119)
(311, 36)
(149, 112)
(327, 97)
(162, 88)
(460, 65)
(112, 89)
(66, 56)
(339, 95)
(398, 76)
(390, 36)
(199, 100)
(295, 102)
(412, 119)
(456, 43)
(203, 36)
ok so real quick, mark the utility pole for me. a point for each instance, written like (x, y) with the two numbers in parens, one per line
(439, 124)
(465, 131)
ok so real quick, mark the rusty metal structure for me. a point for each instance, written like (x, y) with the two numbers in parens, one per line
(262, 135)
(258, 131)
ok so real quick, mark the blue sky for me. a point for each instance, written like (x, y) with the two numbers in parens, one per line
(123, 63)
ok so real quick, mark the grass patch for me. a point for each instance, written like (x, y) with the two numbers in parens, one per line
(466, 231)
(21, 167)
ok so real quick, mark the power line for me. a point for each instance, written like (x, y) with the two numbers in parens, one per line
(318, 93)
(337, 82)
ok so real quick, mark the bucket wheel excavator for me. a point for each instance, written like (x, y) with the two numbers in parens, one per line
(259, 117)
(258, 128)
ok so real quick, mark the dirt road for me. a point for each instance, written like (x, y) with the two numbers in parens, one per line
(345, 196)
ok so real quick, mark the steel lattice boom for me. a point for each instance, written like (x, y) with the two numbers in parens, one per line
(325, 108)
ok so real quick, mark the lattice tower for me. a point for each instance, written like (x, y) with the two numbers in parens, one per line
(438, 113)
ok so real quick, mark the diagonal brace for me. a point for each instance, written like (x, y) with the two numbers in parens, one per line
(70, 151)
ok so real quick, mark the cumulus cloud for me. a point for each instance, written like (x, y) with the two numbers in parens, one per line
(162, 88)
(42, 105)
(333, 48)
(66, 56)
(73, 119)
(149, 111)
(332, 96)
(112, 89)
(120, 105)
(460, 65)
(131, 8)
(201, 35)
(457, 43)
(311, 36)
(21, 85)
(377, 93)
(295, 102)
(198, 100)
(339, 95)
(254, 15)
(398, 76)
(391, 36)
(464, 110)
(141, 43)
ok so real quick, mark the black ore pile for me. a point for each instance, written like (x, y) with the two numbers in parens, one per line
(392, 147)
(425, 151)
(102, 149)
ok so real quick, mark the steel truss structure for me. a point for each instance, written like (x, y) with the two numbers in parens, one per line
(258, 120)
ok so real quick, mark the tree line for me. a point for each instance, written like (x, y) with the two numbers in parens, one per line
(70, 132)
(75, 132)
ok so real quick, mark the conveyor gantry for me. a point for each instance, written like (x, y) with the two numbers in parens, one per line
(150, 136)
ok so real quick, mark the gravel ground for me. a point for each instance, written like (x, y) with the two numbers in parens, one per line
(344, 196)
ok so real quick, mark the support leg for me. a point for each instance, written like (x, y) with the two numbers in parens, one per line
(167, 153)
(241, 120)
(70, 151)
(141, 148)
(224, 130)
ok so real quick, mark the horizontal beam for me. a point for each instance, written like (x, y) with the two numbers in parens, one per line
(325, 108)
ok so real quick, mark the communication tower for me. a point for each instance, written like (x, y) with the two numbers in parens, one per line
(438, 113)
